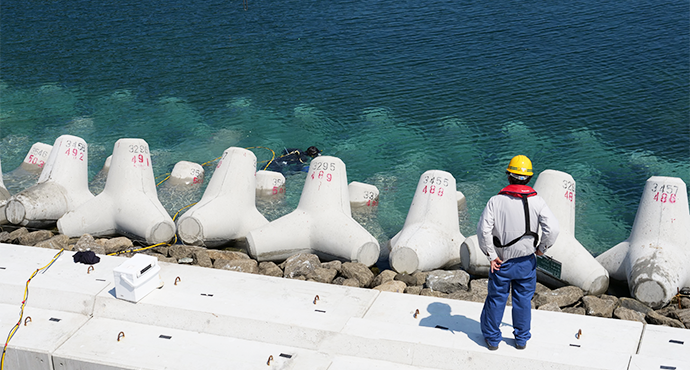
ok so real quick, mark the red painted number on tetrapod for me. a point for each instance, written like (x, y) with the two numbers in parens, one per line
(372, 203)
(665, 197)
(329, 177)
(36, 161)
(138, 160)
(569, 195)
(431, 189)
(75, 153)
(278, 190)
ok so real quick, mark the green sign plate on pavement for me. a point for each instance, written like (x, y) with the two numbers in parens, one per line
(549, 265)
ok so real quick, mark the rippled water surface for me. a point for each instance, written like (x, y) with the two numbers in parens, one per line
(599, 90)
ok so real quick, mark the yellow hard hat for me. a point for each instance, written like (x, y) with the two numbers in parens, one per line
(520, 165)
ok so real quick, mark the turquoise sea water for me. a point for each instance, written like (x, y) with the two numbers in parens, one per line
(599, 90)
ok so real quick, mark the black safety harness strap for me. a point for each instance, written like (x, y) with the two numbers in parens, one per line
(528, 231)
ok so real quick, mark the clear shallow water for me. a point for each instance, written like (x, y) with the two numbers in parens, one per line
(597, 90)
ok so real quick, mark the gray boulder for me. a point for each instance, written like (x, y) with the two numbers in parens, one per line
(634, 304)
(415, 290)
(564, 296)
(301, 264)
(599, 307)
(35, 237)
(448, 281)
(624, 313)
(178, 251)
(118, 244)
(333, 265)
(385, 276)
(574, 310)
(88, 243)
(16, 234)
(4, 237)
(656, 318)
(552, 306)
(358, 271)
(270, 269)
(683, 316)
(57, 242)
(408, 279)
(202, 258)
(239, 265)
(395, 286)
(322, 275)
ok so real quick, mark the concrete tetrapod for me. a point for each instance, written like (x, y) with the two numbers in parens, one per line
(227, 210)
(363, 196)
(182, 188)
(129, 202)
(578, 266)
(270, 184)
(4, 194)
(35, 159)
(321, 224)
(654, 259)
(430, 237)
(63, 186)
(26, 174)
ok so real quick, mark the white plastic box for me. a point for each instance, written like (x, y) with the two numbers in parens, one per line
(137, 277)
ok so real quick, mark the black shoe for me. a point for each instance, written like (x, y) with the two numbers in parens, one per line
(489, 346)
(521, 346)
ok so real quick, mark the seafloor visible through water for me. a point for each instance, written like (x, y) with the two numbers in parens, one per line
(394, 88)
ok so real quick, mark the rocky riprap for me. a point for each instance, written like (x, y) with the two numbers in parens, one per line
(453, 284)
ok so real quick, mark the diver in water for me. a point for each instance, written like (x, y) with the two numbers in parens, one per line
(293, 160)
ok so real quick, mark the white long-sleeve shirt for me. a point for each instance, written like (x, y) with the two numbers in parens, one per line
(504, 217)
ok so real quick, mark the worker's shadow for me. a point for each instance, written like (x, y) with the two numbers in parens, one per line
(441, 318)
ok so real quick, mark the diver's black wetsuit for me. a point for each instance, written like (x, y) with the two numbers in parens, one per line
(293, 160)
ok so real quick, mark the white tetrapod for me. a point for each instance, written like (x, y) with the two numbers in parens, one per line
(321, 224)
(430, 237)
(36, 158)
(129, 203)
(227, 210)
(4, 194)
(270, 184)
(29, 170)
(472, 259)
(654, 258)
(462, 202)
(577, 266)
(62, 187)
(363, 196)
(182, 188)
(186, 173)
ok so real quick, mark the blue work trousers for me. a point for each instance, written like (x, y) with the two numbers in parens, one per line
(521, 273)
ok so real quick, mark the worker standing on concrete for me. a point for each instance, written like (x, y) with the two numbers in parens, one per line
(507, 233)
